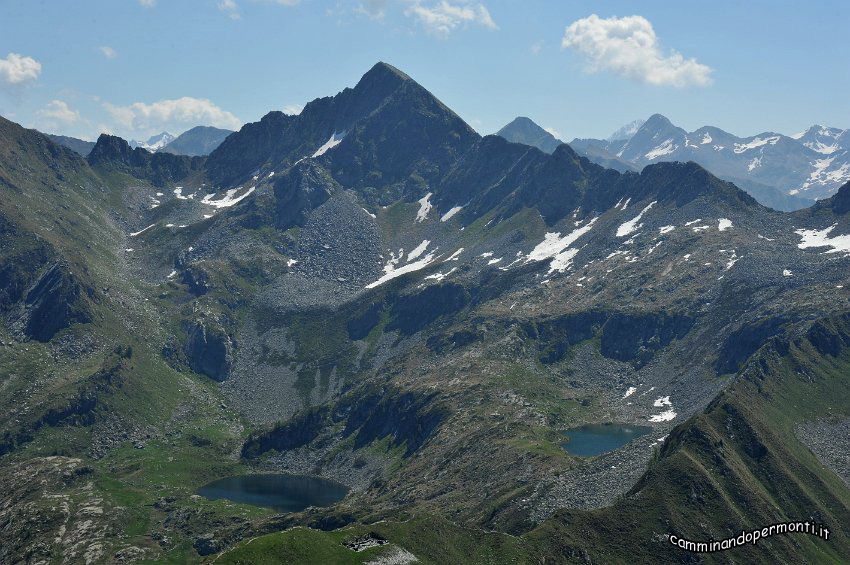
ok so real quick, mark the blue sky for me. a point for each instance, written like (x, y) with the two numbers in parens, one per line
(135, 67)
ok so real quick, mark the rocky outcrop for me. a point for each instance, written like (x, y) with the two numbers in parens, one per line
(631, 337)
(159, 168)
(79, 409)
(745, 341)
(408, 418)
(300, 430)
(636, 337)
(197, 279)
(55, 301)
(302, 189)
(209, 350)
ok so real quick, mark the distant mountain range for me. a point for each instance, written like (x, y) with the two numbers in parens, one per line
(154, 142)
(809, 165)
(78, 145)
(524, 130)
(198, 141)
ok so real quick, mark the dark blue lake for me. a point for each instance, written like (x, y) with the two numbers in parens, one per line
(596, 439)
(285, 493)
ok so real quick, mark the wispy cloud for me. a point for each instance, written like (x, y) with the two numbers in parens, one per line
(536, 47)
(148, 3)
(231, 8)
(441, 18)
(182, 113)
(293, 109)
(17, 70)
(629, 47)
(553, 132)
(108, 51)
(57, 111)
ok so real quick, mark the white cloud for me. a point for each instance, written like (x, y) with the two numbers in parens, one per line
(16, 69)
(442, 17)
(181, 113)
(148, 3)
(58, 111)
(293, 109)
(629, 47)
(231, 8)
(537, 47)
(553, 132)
(108, 51)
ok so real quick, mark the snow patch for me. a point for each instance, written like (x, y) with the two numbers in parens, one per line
(632, 225)
(134, 234)
(440, 276)
(705, 138)
(666, 229)
(448, 215)
(724, 224)
(820, 238)
(332, 142)
(454, 256)
(665, 416)
(228, 200)
(664, 149)
(424, 208)
(556, 247)
(418, 250)
(390, 272)
(631, 390)
(757, 142)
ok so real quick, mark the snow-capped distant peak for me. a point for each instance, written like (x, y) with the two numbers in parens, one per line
(627, 131)
(822, 139)
(155, 142)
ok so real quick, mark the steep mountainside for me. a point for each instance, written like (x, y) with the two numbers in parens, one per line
(809, 165)
(198, 141)
(372, 293)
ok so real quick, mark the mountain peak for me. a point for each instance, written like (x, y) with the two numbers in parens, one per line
(657, 121)
(382, 73)
(526, 131)
(110, 148)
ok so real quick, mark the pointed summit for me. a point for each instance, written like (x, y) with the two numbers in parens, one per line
(524, 130)
(657, 121)
(383, 71)
(385, 129)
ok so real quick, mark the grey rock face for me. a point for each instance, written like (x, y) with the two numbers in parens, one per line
(210, 351)
(54, 302)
